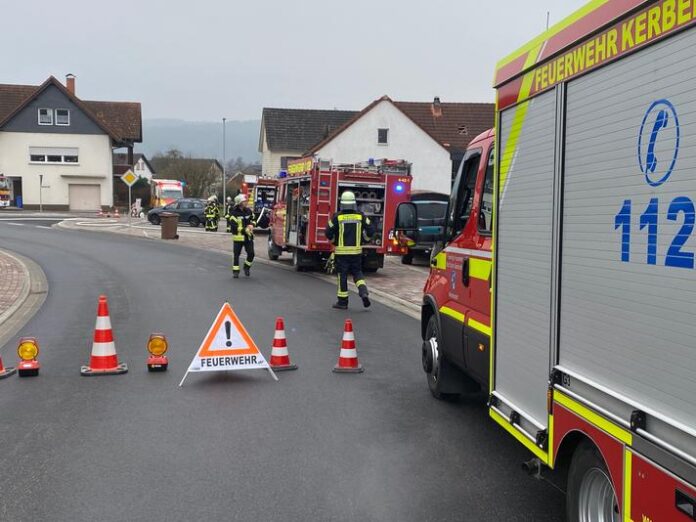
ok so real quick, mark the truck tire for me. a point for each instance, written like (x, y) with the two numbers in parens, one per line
(407, 259)
(296, 261)
(591, 494)
(444, 379)
(274, 250)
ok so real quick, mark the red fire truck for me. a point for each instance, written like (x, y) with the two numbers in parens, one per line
(308, 196)
(581, 326)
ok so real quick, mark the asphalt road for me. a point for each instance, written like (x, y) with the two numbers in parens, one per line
(236, 446)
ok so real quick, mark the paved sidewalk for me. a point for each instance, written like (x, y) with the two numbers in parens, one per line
(14, 282)
(403, 284)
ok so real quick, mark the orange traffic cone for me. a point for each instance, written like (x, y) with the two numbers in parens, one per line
(116, 214)
(6, 372)
(280, 359)
(104, 360)
(348, 358)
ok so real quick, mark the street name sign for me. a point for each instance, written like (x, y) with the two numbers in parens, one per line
(227, 347)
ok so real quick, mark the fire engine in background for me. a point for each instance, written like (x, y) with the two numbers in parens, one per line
(165, 191)
(263, 196)
(5, 194)
(589, 360)
(308, 196)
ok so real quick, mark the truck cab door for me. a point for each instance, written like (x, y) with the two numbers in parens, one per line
(451, 261)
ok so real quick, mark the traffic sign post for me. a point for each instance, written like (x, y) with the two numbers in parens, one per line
(129, 178)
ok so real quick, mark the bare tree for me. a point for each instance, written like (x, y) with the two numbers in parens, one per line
(202, 176)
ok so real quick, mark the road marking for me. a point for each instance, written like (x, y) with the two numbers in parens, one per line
(45, 227)
(16, 224)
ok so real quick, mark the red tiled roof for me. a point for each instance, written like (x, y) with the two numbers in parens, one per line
(121, 120)
(455, 125)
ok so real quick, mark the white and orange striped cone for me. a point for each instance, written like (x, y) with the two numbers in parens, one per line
(6, 372)
(103, 360)
(348, 358)
(280, 358)
(116, 214)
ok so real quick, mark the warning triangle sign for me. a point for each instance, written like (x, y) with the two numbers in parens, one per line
(227, 346)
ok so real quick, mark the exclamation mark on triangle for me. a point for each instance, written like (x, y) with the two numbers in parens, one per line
(228, 332)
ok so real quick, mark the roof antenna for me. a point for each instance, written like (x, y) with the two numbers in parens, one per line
(548, 18)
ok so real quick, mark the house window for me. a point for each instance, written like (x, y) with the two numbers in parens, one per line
(56, 155)
(63, 117)
(383, 136)
(45, 117)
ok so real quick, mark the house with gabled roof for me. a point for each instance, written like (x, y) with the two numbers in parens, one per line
(57, 149)
(286, 134)
(433, 136)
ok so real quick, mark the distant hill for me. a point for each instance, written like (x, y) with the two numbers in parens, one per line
(201, 139)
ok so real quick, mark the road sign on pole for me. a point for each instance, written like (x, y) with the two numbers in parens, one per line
(129, 178)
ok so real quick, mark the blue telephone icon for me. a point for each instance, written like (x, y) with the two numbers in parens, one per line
(660, 123)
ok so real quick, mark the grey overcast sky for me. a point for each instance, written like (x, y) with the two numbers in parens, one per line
(200, 60)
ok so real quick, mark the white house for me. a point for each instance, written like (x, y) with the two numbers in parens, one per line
(287, 134)
(141, 166)
(57, 149)
(432, 136)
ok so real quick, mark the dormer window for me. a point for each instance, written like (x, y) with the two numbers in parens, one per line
(63, 117)
(45, 117)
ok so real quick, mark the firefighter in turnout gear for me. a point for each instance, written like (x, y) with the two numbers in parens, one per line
(212, 214)
(347, 230)
(229, 205)
(242, 234)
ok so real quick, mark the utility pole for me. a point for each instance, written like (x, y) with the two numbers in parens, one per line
(548, 19)
(40, 192)
(224, 165)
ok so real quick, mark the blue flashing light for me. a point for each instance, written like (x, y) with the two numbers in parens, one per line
(399, 187)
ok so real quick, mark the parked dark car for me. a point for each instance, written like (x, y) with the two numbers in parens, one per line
(432, 208)
(190, 210)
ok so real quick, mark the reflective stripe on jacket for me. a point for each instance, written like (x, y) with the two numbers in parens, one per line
(241, 218)
(347, 230)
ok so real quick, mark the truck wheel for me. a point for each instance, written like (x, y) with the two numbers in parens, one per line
(273, 249)
(296, 260)
(407, 259)
(591, 495)
(441, 374)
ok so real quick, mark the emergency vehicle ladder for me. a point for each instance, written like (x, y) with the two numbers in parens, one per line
(323, 203)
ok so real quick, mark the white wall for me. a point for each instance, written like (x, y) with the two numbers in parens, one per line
(270, 160)
(94, 167)
(141, 169)
(432, 166)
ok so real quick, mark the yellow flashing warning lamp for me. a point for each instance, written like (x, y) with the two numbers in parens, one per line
(28, 351)
(157, 345)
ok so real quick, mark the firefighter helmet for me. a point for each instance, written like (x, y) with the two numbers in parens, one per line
(348, 199)
(239, 199)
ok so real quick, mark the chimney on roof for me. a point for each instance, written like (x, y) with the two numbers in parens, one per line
(70, 83)
(437, 107)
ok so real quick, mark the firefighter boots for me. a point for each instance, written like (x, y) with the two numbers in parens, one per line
(363, 293)
(341, 304)
(247, 270)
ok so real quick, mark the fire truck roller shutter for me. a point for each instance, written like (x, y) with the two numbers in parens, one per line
(628, 283)
(524, 251)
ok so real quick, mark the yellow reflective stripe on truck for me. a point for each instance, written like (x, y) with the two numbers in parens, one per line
(521, 437)
(552, 31)
(593, 418)
(472, 323)
(458, 316)
(627, 478)
(480, 268)
(517, 119)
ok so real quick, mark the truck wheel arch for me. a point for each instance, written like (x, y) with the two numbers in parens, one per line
(566, 449)
(428, 309)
